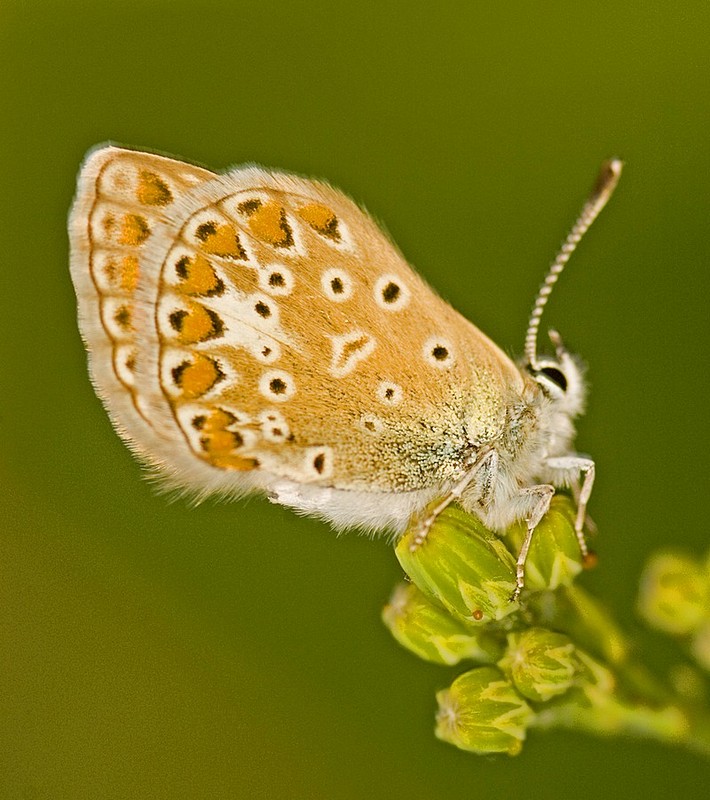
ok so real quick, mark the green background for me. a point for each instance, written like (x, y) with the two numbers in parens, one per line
(153, 650)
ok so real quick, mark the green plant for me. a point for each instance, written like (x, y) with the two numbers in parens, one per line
(556, 658)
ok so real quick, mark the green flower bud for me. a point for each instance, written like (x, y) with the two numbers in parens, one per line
(430, 632)
(540, 663)
(675, 594)
(482, 712)
(700, 646)
(584, 619)
(462, 566)
(554, 558)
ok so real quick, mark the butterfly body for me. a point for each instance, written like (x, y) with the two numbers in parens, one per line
(256, 331)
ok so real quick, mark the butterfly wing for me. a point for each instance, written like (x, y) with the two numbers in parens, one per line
(278, 335)
(321, 356)
(122, 197)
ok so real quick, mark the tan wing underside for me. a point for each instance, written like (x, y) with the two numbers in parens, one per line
(272, 368)
(256, 326)
(122, 197)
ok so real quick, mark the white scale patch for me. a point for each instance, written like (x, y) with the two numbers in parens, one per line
(124, 355)
(252, 322)
(348, 350)
(318, 462)
(274, 427)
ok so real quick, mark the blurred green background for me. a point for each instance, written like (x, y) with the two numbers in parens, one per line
(153, 650)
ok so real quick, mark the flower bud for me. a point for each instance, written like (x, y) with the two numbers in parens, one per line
(584, 619)
(540, 663)
(430, 632)
(675, 594)
(554, 558)
(482, 712)
(462, 566)
(700, 646)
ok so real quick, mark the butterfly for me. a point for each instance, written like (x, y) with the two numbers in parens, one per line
(256, 331)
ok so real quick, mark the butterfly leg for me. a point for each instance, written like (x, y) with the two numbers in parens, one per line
(569, 468)
(487, 464)
(538, 500)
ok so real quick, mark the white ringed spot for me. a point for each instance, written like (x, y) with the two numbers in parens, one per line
(318, 462)
(276, 280)
(274, 427)
(337, 285)
(277, 385)
(264, 349)
(389, 393)
(438, 352)
(391, 293)
(264, 310)
(371, 424)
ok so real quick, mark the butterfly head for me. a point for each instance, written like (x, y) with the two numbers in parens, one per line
(561, 378)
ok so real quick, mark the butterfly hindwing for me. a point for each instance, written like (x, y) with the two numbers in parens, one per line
(121, 201)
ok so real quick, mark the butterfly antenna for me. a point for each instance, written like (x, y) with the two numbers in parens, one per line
(603, 190)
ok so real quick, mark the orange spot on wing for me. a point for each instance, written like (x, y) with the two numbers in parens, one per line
(219, 443)
(152, 190)
(129, 273)
(196, 377)
(268, 222)
(134, 230)
(219, 419)
(196, 325)
(223, 241)
(321, 219)
(198, 276)
(122, 274)
(233, 461)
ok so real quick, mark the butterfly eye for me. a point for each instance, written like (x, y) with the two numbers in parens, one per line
(556, 376)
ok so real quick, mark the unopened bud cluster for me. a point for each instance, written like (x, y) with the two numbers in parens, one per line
(675, 598)
(553, 657)
(458, 607)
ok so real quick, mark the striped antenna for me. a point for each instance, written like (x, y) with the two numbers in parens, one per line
(603, 189)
